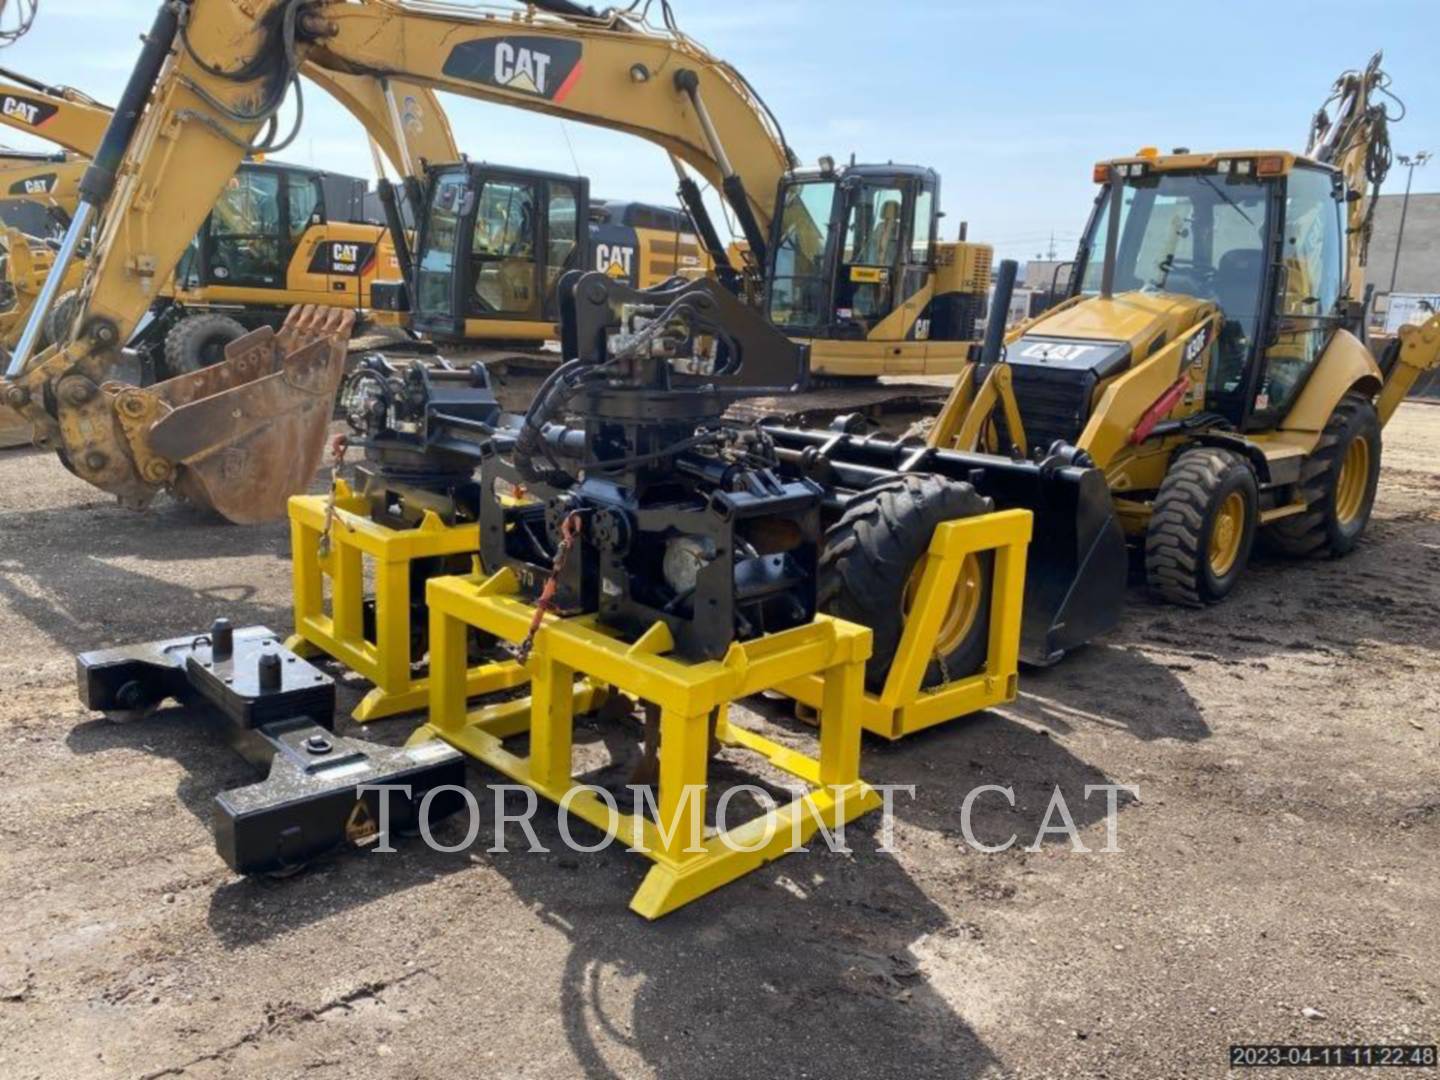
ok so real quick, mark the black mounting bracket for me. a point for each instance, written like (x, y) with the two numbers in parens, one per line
(278, 711)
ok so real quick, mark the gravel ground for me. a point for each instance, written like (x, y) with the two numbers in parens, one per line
(1276, 879)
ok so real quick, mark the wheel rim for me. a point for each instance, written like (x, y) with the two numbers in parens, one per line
(964, 608)
(1226, 534)
(1353, 481)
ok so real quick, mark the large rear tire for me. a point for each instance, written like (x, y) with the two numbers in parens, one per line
(1202, 527)
(870, 571)
(198, 341)
(1338, 482)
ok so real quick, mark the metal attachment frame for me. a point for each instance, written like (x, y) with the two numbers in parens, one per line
(902, 706)
(340, 633)
(576, 660)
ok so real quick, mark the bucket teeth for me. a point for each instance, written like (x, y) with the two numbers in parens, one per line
(249, 432)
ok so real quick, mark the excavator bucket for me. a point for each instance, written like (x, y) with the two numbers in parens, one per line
(249, 432)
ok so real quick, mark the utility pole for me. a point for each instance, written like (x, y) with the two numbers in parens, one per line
(1412, 163)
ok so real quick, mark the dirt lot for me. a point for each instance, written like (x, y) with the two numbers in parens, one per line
(1281, 857)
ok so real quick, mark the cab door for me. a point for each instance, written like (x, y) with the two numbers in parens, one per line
(872, 241)
(440, 251)
(243, 248)
(505, 257)
(567, 212)
(310, 278)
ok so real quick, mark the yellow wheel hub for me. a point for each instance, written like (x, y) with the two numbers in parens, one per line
(1227, 533)
(964, 607)
(1353, 481)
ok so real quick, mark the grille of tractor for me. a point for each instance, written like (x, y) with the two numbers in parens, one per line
(1054, 403)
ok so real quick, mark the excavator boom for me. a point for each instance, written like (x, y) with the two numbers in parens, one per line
(212, 75)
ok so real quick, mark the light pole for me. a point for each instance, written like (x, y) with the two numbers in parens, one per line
(1412, 163)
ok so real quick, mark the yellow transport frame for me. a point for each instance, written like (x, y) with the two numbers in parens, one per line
(340, 633)
(902, 706)
(691, 697)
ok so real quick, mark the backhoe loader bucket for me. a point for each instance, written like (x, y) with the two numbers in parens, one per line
(1076, 567)
(249, 432)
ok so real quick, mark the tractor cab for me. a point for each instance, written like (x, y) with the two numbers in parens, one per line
(1258, 235)
(491, 246)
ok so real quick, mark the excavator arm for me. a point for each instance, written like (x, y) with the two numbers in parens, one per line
(213, 74)
(1356, 140)
(59, 114)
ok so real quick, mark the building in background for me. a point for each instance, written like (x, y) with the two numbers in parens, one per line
(1417, 275)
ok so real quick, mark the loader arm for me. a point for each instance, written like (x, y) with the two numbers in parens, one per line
(212, 74)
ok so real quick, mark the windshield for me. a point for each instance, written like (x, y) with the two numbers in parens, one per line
(797, 288)
(1196, 234)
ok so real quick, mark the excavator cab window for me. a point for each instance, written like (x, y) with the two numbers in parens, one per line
(799, 286)
(245, 247)
(1308, 288)
(502, 250)
(870, 255)
(439, 246)
(562, 239)
(305, 207)
(494, 243)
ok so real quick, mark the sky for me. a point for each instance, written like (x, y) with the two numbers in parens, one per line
(1012, 101)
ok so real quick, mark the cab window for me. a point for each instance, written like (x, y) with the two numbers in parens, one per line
(1311, 279)
(304, 209)
(436, 263)
(872, 235)
(245, 234)
(503, 249)
(921, 231)
(1192, 234)
(561, 231)
(798, 287)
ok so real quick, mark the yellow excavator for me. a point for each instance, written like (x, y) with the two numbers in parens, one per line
(1210, 358)
(283, 235)
(882, 285)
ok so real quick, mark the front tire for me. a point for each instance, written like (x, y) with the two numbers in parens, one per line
(1338, 482)
(198, 341)
(1202, 527)
(870, 572)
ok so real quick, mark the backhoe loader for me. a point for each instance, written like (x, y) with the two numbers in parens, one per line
(1210, 358)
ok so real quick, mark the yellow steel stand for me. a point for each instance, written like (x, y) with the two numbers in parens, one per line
(687, 865)
(902, 706)
(385, 661)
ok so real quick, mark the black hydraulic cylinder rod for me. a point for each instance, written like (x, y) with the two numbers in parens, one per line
(695, 205)
(999, 313)
(566, 8)
(395, 224)
(1112, 235)
(99, 179)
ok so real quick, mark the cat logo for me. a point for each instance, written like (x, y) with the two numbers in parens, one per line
(521, 69)
(539, 66)
(1060, 351)
(616, 260)
(35, 185)
(348, 258)
(27, 112)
